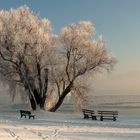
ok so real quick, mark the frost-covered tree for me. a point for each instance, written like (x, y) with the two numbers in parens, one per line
(24, 40)
(80, 55)
(44, 68)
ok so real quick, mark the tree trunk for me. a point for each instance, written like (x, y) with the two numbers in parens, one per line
(42, 102)
(32, 102)
(37, 100)
(44, 91)
(61, 98)
(36, 95)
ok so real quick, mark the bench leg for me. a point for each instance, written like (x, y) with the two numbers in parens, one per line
(86, 116)
(94, 118)
(114, 118)
(101, 118)
(22, 116)
(32, 117)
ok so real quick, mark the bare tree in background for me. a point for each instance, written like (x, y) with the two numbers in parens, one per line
(45, 68)
(24, 40)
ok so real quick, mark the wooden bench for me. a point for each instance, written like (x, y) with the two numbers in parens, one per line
(26, 113)
(89, 114)
(108, 115)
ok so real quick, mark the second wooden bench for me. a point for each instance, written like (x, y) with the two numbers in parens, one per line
(108, 115)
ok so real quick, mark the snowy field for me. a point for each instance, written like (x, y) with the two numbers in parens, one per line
(58, 126)
(64, 125)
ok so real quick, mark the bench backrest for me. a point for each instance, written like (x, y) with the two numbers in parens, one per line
(25, 112)
(108, 112)
(88, 111)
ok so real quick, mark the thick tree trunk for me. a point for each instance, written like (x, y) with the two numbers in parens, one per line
(44, 91)
(36, 100)
(37, 97)
(42, 102)
(61, 98)
(32, 102)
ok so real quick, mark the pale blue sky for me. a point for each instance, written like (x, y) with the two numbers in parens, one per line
(117, 20)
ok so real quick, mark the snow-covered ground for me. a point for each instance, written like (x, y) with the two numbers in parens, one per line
(64, 125)
(60, 126)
